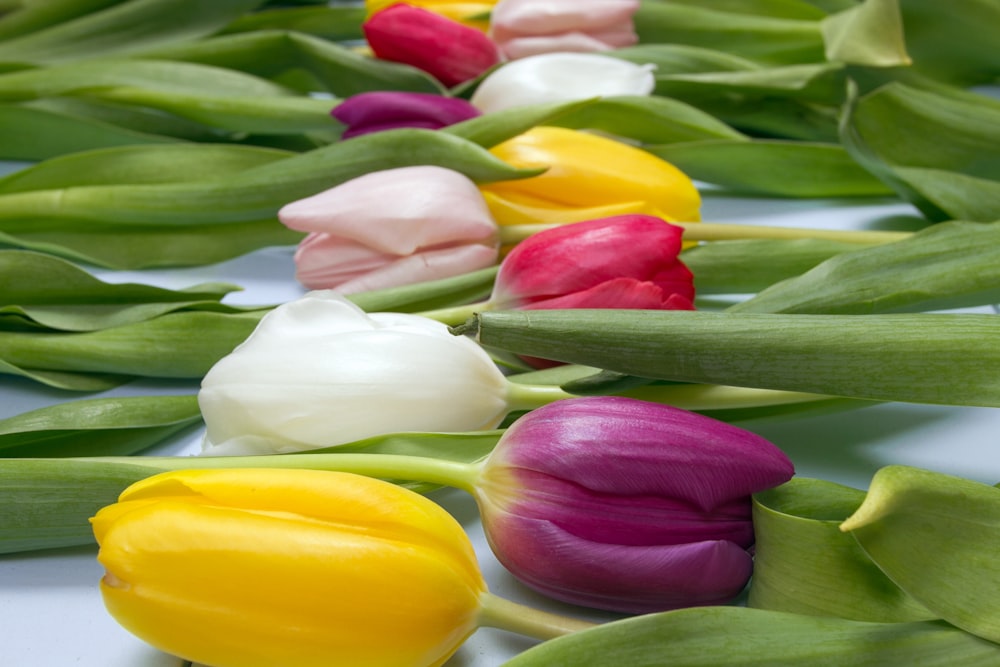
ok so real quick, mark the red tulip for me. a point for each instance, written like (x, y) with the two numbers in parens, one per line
(626, 261)
(445, 49)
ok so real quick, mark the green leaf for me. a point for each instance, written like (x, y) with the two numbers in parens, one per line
(432, 294)
(174, 345)
(936, 536)
(869, 34)
(493, 128)
(737, 637)
(174, 163)
(939, 151)
(334, 68)
(950, 265)
(958, 45)
(124, 28)
(97, 427)
(761, 38)
(27, 17)
(335, 23)
(747, 266)
(773, 167)
(950, 359)
(804, 563)
(39, 134)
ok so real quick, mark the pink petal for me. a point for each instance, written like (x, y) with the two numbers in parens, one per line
(617, 293)
(427, 265)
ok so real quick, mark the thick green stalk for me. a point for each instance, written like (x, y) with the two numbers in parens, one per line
(497, 612)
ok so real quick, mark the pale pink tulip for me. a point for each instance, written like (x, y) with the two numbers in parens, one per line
(390, 228)
(529, 27)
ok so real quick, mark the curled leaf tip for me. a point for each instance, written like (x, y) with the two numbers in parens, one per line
(469, 328)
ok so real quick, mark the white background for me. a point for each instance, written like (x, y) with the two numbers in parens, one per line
(50, 609)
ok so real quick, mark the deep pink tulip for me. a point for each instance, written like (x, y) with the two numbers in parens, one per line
(445, 49)
(524, 28)
(389, 109)
(626, 505)
(392, 227)
(625, 261)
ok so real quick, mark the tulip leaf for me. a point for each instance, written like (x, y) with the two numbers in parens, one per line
(789, 9)
(123, 28)
(174, 345)
(747, 266)
(950, 265)
(432, 294)
(949, 359)
(870, 34)
(490, 129)
(738, 636)
(333, 68)
(97, 427)
(56, 294)
(936, 536)
(761, 38)
(84, 382)
(38, 134)
(958, 46)
(25, 17)
(335, 23)
(804, 563)
(939, 151)
(651, 120)
(773, 167)
(139, 164)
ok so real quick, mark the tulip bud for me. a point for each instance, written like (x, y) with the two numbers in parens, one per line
(254, 567)
(587, 177)
(390, 228)
(389, 109)
(627, 261)
(319, 371)
(528, 27)
(637, 507)
(473, 13)
(445, 49)
(560, 77)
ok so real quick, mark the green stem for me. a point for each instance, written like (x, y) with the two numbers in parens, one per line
(413, 468)
(718, 397)
(717, 231)
(530, 396)
(456, 315)
(501, 613)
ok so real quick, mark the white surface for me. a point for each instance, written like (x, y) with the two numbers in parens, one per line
(50, 609)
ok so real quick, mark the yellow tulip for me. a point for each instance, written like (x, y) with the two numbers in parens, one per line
(255, 567)
(463, 12)
(588, 176)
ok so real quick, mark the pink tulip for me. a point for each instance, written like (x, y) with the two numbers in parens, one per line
(529, 27)
(388, 109)
(391, 228)
(626, 261)
(626, 505)
(445, 49)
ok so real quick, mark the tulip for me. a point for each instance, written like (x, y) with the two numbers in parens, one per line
(319, 371)
(561, 77)
(390, 228)
(528, 27)
(626, 505)
(446, 49)
(628, 261)
(244, 568)
(588, 177)
(388, 109)
(471, 13)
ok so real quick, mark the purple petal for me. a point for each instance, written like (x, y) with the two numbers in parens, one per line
(364, 112)
(615, 577)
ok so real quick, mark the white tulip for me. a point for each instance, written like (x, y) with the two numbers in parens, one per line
(319, 371)
(561, 77)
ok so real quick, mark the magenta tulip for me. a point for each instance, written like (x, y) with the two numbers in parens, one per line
(392, 227)
(388, 109)
(626, 505)
(528, 27)
(445, 49)
(626, 261)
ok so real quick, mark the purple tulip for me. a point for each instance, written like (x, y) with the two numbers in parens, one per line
(626, 505)
(387, 110)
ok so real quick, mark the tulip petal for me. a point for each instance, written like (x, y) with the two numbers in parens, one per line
(619, 578)
(388, 109)
(616, 293)
(424, 266)
(559, 77)
(523, 28)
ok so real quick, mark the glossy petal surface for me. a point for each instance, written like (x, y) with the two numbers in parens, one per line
(389, 109)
